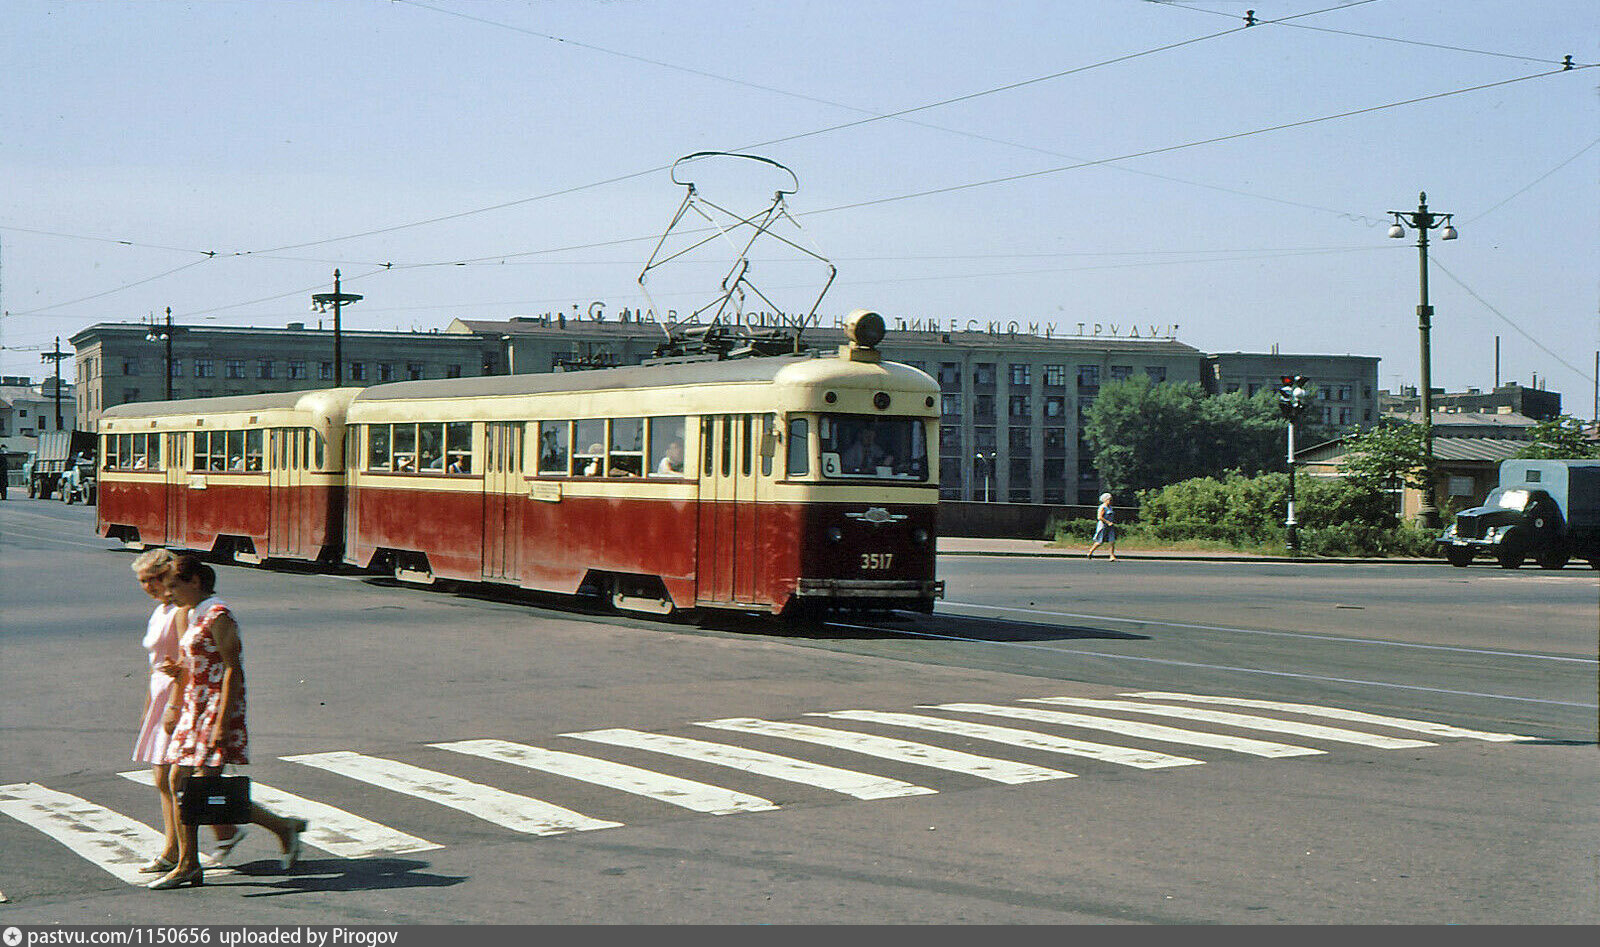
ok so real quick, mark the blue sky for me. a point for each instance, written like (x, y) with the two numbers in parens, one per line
(1041, 162)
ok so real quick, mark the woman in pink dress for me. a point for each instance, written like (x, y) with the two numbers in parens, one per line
(207, 712)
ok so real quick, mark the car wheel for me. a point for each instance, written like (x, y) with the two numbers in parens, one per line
(1509, 555)
(1458, 556)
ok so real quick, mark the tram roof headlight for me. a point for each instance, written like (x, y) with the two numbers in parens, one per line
(864, 328)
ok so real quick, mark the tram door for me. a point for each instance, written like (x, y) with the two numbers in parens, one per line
(286, 461)
(729, 514)
(502, 489)
(177, 477)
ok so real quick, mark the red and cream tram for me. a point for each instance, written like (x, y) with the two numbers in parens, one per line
(251, 476)
(781, 483)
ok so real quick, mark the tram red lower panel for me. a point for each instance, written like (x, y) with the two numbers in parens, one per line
(184, 518)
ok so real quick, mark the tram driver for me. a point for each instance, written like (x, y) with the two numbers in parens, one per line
(864, 455)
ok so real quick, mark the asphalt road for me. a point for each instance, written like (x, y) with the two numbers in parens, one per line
(1413, 824)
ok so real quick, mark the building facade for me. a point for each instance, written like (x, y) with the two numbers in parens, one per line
(1510, 398)
(1014, 403)
(1346, 386)
(28, 409)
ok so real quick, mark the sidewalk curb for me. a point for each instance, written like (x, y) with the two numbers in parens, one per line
(1181, 557)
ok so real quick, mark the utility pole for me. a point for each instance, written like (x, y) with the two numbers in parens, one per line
(56, 356)
(320, 303)
(166, 336)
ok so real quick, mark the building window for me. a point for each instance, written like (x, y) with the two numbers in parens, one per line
(1344, 415)
(950, 440)
(357, 371)
(1088, 376)
(264, 368)
(297, 368)
(983, 439)
(1021, 374)
(203, 368)
(1344, 392)
(950, 405)
(1055, 376)
(1021, 406)
(177, 368)
(385, 371)
(324, 371)
(235, 368)
(1121, 372)
(130, 395)
(1255, 387)
(1021, 445)
(983, 374)
(414, 371)
(1055, 440)
(1157, 373)
(1055, 406)
(130, 366)
(949, 375)
(453, 371)
(983, 406)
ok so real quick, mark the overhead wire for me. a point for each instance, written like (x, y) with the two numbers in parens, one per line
(1585, 374)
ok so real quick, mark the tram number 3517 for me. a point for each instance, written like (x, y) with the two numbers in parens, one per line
(876, 561)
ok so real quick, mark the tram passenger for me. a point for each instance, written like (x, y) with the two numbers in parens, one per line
(865, 455)
(672, 462)
(592, 469)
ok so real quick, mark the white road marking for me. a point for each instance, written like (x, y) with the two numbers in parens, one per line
(859, 785)
(1001, 771)
(330, 829)
(1126, 756)
(1247, 721)
(1147, 731)
(1339, 713)
(669, 789)
(518, 813)
(105, 838)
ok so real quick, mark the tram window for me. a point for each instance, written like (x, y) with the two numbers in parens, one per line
(377, 447)
(299, 436)
(769, 443)
(877, 447)
(198, 450)
(727, 445)
(458, 447)
(553, 440)
(125, 449)
(666, 447)
(626, 452)
(706, 442)
(430, 447)
(235, 450)
(746, 442)
(799, 447)
(319, 448)
(591, 461)
(108, 451)
(405, 447)
(252, 450)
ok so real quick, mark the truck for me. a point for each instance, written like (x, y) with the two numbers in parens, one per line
(1544, 510)
(62, 453)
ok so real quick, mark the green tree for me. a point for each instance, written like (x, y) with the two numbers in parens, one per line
(1387, 455)
(1560, 438)
(1145, 435)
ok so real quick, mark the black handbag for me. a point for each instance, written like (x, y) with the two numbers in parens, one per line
(215, 800)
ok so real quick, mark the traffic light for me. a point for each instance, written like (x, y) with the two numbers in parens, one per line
(1294, 395)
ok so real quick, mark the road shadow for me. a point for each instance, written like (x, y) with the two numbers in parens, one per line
(881, 625)
(334, 874)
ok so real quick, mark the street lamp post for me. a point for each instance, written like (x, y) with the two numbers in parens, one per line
(320, 303)
(988, 470)
(1422, 220)
(164, 335)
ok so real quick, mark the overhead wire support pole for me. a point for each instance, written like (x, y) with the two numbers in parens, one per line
(1423, 220)
(56, 356)
(337, 299)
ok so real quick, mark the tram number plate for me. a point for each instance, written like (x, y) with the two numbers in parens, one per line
(876, 561)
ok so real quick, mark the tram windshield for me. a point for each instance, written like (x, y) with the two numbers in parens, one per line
(858, 446)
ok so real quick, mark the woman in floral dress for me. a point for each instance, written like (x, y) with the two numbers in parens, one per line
(208, 712)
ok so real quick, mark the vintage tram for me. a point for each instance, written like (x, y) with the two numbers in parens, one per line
(247, 476)
(783, 483)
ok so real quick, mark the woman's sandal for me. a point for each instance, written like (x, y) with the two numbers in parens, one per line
(158, 863)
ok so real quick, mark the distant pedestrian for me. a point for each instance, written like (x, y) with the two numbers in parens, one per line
(1105, 527)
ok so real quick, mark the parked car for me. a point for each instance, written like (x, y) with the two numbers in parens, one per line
(1544, 510)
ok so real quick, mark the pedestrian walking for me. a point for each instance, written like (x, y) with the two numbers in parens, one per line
(1105, 527)
(207, 713)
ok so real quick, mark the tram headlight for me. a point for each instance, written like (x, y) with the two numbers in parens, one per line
(865, 328)
(835, 534)
(920, 537)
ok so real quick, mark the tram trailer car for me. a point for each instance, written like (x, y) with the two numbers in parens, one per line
(781, 483)
(251, 476)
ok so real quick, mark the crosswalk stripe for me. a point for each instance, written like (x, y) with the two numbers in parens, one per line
(1001, 771)
(1247, 721)
(1147, 731)
(859, 785)
(105, 838)
(518, 813)
(332, 830)
(1126, 756)
(1339, 713)
(669, 789)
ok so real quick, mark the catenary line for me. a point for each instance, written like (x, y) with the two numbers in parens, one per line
(1279, 634)
(1215, 667)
